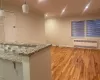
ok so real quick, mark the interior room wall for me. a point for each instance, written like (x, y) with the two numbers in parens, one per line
(58, 30)
(19, 27)
(40, 65)
(30, 28)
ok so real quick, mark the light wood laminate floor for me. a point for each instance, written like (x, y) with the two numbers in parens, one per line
(75, 64)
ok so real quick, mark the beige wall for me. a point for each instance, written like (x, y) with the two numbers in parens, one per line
(29, 28)
(58, 31)
(40, 65)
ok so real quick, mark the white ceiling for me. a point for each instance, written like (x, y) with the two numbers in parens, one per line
(54, 7)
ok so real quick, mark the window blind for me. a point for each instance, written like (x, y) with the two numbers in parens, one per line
(93, 28)
(77, 28)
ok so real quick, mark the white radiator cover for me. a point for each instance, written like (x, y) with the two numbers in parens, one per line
(85, 43)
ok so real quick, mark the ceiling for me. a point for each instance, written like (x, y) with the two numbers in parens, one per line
(54, 7)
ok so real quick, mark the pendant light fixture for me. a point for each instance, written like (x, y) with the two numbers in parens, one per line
(1, 10)
(25, 7)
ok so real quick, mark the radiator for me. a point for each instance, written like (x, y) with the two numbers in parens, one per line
(86, 43)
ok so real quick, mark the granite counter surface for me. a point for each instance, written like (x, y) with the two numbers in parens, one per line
(15, 51)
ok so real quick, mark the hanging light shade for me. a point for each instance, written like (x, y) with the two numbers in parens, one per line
(2, 13)
(25, 8)
(1, 10)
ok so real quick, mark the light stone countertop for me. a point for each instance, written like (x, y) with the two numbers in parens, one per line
(15, 51)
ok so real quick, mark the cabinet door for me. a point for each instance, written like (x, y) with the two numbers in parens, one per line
(10, 70)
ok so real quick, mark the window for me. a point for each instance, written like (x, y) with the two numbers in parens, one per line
(77, 28)
(93, 28)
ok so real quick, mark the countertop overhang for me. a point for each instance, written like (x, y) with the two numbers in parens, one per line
(15, 51)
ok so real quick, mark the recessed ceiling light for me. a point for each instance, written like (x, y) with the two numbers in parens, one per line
(87, 6)
(63, 10)
(46, 15)
(40, 1)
